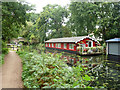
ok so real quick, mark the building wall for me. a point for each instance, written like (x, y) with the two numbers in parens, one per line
(114, 48)
(119, 48)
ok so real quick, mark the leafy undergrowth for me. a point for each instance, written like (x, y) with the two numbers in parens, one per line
(49, 71)
(2, 59)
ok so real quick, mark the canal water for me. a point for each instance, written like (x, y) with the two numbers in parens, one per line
(106, 72)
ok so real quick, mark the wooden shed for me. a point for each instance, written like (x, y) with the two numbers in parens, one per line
(113, 46)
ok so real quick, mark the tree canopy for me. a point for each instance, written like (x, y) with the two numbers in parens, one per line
(83, 17)
(14, 15)
(52, 18)
(86, 16)
(55, 21)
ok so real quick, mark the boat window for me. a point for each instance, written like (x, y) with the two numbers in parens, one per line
(52, 45)
(71, 46)
(49, 44)
(56, 45)
(65, 45)
(59, 45)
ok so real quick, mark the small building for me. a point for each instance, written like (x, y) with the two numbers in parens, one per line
(21, 39)
(113, 46)
(17, 40)
(70, 44)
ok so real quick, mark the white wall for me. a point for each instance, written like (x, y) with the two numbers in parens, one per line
(114, 48)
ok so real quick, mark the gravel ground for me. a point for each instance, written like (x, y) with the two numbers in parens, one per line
(11, 71)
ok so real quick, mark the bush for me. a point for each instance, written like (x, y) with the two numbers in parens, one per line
(2, 59)
(49, 71)
(5, 50)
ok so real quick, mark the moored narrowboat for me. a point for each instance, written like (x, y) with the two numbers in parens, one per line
(83, 45)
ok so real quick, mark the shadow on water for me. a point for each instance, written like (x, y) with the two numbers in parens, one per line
(106, 72)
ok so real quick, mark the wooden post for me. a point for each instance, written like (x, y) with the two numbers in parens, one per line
(13, 47)
(17, 47)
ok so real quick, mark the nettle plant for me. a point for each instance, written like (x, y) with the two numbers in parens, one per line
(49, 71)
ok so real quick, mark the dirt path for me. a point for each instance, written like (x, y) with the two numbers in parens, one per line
(12, 71)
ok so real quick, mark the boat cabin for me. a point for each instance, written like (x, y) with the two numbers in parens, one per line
(71, 44)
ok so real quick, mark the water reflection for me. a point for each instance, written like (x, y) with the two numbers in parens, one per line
(108, 75)
(106, 72)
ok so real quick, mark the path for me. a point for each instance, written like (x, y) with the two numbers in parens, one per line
(12, 71)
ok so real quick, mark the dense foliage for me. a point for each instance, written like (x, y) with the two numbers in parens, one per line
(2, 59)
(86, 16)
(49, 71)
(13, 17)
(83, 17)
(76, 19)
(4, 48)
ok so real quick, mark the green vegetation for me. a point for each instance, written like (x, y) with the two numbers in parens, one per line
(3, 52)
(13, 17)
(2, 59)
(86, 16)
(49, 71)
(4, 48)
(77, 19)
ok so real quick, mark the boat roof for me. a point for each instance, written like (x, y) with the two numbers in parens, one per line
(70, 39)
(113, 40)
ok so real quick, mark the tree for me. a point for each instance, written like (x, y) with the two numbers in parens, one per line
(14, 15)
(29, 31)
(86, 16)
(51, 18)
(65, 31)
(83, 17)
(33, 17)
(108, 20)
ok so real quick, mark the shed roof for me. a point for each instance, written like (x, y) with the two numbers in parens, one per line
(70, 39)
(113, 40)
(20, 37)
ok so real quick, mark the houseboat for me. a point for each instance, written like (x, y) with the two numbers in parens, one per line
(83, 45)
